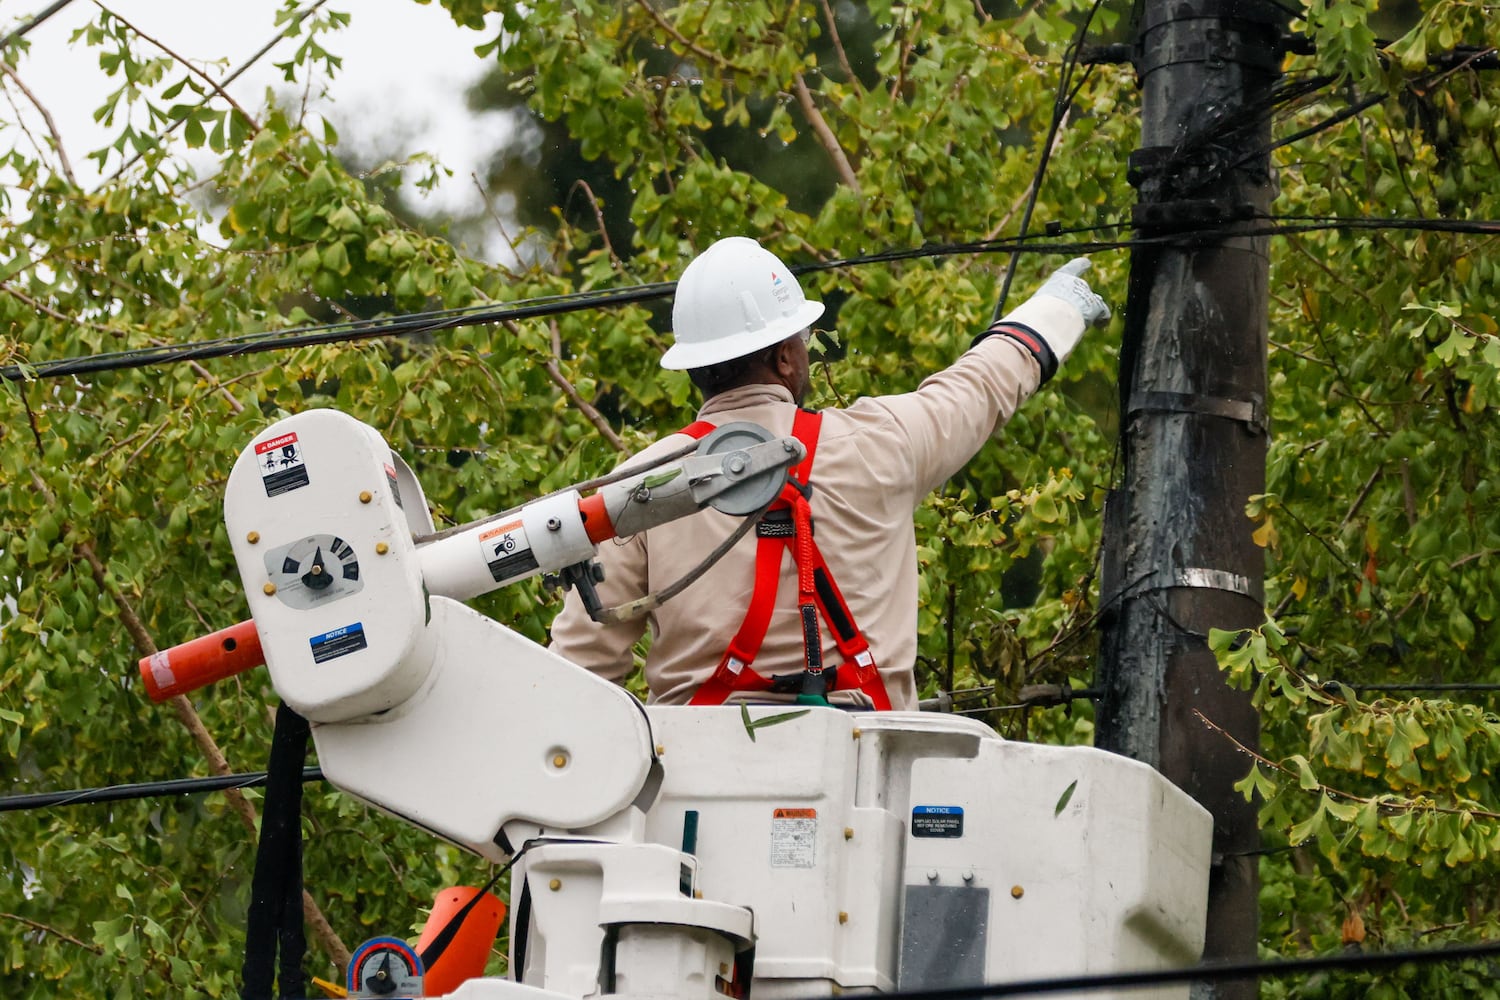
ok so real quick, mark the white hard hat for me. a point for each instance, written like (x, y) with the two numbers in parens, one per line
(735, 298)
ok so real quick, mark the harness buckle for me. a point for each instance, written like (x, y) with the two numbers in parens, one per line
(776, 524)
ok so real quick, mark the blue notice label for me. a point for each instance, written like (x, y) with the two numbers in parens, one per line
(937, 821)
(339, 642)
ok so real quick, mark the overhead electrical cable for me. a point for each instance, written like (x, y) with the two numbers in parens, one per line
(489, 313)
(1211, 973)
(1207, 972)
(143, 790)
(1061, 105)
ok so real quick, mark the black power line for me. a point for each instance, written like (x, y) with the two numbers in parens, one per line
(430, 322)
(1206, 972)
(143, 790)
(1211, 973)
(1061, 105)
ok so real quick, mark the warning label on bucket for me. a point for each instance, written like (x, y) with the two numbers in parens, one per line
(282, 468)
(794, 838)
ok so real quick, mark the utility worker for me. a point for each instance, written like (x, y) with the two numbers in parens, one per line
(821, 603)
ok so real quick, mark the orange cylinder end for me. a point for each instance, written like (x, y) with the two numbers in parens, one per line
(596, 519)
(468, 951)
(201, 661)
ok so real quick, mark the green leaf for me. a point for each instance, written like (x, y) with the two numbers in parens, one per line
(1307, 779)
(660, 478)
(1257, 782)
(1312, 827)
(770, 720)
(1062, 800)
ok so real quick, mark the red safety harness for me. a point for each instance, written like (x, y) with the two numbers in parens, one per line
(787, 527)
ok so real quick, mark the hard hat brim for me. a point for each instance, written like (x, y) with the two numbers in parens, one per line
(682, 357)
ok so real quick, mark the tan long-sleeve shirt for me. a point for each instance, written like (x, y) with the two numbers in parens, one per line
(875, 461)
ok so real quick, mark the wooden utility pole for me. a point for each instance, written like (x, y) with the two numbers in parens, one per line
(1178, 556)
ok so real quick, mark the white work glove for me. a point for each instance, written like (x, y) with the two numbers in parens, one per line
(1057, 314)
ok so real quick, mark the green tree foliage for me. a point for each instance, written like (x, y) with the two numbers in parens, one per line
(825, 130)
(1380, 520)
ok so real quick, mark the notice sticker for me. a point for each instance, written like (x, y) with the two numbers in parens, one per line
(794, 838)
(339, 642)
(281, 466)
(507, 552)
(937, 821)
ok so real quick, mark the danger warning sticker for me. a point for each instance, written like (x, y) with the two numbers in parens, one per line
(282, 468)
(794, 838)
(507, 552)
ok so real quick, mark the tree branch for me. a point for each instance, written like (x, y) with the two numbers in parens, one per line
(45, 929)
(489, 209)
(47, 310)
(554, 372)
(838, 48)
(825, 135)
(292, 25)
(188, 716)
(588, 193)
(715, 58)
(57, 144)
(213, 84)
(1386, 804)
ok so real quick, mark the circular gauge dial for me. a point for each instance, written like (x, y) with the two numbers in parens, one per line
(313, 570)
(385, 967)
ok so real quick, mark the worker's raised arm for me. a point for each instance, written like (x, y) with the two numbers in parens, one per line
(953, 412)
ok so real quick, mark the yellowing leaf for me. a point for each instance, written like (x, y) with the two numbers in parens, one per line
(1265, 536)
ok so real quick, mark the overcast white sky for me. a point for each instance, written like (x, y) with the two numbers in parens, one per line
(406, 67)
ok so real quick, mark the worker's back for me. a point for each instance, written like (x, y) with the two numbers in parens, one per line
(873, 462)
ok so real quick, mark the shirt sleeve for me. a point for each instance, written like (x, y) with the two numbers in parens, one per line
(950, 416)
(607, 650)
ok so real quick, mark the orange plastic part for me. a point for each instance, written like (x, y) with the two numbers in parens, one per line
(202, 661)
(596, 518)
(469, 950)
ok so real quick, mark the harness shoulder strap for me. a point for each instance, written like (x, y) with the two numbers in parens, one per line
(817, 593)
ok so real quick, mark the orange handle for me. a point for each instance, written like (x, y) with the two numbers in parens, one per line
(202, 661)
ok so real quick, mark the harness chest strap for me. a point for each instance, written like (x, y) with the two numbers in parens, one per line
(788, 526)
